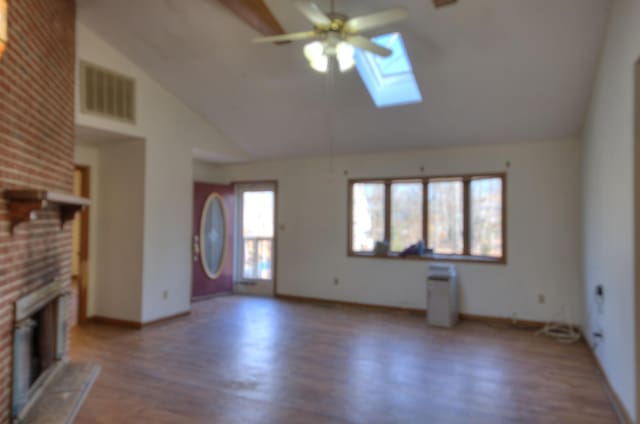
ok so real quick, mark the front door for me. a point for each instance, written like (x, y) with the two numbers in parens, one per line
(212, 239)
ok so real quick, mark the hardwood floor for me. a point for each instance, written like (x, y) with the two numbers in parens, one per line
(253, 360)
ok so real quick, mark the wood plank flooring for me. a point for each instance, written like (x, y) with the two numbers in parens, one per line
(252, 360)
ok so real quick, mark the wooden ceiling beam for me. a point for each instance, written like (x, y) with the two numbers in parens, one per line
(442, 3)
(256, 14)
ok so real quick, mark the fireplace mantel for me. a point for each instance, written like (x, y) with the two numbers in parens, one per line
(24, 204)
(33, 301)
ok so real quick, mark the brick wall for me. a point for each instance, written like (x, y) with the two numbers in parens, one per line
(36, 151)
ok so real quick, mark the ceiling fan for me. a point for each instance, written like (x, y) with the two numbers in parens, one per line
(337, 35)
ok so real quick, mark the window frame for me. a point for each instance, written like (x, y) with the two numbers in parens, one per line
(466, 181)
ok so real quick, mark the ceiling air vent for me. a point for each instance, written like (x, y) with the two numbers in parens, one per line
(107, 93)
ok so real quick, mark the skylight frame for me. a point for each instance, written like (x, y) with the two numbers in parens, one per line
(388, 89)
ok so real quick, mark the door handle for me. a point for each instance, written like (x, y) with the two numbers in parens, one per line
(196, 247)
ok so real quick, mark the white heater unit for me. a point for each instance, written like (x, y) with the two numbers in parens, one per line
(442, 296)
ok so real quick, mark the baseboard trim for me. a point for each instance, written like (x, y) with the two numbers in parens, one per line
(210, 296)
(116, 322)
(134, 324)
(165, 319)
(618, 407)
(503, 321)
(305, 299)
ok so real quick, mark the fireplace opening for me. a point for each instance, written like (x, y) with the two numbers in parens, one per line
(43, 342)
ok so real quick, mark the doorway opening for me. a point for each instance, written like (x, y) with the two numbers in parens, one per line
(255, 256)
(80, 242)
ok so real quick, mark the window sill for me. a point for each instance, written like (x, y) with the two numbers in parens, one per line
(434, 257)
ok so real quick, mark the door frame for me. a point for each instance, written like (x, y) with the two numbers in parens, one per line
(276, 228)
(83, 283)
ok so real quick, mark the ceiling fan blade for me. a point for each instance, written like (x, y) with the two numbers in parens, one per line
(375, 20)
(295, 36)
(365, 44)
(313, 13)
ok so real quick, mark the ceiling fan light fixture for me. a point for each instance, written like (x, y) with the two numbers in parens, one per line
(315, 54)
(345, 53)
(321, 64)
(319, 54)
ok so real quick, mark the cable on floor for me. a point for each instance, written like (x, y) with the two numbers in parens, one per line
(562, 332)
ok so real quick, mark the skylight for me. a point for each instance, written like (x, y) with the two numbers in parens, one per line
(390, 80)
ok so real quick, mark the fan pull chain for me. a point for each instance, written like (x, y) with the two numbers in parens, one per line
(329, 92)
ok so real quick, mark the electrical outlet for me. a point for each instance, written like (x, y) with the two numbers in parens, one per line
(165, 294)
(599, 290)
(542, 299)
(336, 281)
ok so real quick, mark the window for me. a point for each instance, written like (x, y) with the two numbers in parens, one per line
(460, 217)
(446, 225)
(406, 214)
(486, 217)
(257, 208)
(390, 80)
(368, 215)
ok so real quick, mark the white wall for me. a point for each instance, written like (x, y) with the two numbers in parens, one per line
(171, 132)
(543, 229)
(205, 173)
(118, 291)
(609, 203)
(116, 226)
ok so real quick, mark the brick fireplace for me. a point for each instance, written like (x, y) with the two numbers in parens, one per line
(36, 152)
(39, 342)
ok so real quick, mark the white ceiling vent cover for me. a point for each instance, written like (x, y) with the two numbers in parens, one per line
(107, 93)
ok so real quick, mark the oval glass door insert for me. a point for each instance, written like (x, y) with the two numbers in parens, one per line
(213, 236)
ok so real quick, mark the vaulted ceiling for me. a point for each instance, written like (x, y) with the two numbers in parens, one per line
(490, 71)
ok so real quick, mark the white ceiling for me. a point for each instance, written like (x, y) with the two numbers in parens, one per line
(490, 71)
